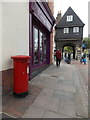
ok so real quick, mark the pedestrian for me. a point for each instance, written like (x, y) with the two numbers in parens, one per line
(68, 60)
(69, 56)
(65, 55)
(81, 59)
(58, 57)
(89, 56)
(84, 58)
(54, 55)
(84, 55)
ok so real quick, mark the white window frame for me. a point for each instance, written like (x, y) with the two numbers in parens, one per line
(66, 30)
(75, 29)
(69, 18)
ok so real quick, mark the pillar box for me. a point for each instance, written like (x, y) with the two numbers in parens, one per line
(21, 70)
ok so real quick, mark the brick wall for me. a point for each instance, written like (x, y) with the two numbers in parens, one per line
(7, 81)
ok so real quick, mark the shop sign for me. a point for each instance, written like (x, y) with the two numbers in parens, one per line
(40, 15)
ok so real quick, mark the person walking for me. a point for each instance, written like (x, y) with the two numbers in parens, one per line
(84, 58)
(68, 60)
(89, 56)
(69, 56)
(65, 56)
(58, 57)
(81, 59)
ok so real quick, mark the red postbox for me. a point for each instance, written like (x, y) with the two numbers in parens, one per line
(21, 70)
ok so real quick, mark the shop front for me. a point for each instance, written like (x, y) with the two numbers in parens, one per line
(41, 24)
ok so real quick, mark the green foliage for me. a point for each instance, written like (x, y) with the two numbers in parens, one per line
(86, 51)
(68, 49)
(87, 41)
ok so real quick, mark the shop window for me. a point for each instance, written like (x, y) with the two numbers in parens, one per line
(44, 45)
(41, 47)
(35, 46)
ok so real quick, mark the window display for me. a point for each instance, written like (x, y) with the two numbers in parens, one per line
(35, 46)
(39, 46)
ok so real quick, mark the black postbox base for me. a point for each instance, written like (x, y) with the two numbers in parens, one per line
(20, 95)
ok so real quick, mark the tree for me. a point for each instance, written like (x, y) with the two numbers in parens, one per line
(86, 40)
(68, 49)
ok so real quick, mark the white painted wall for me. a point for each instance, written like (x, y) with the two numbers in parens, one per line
(0, 36)
(15, 31)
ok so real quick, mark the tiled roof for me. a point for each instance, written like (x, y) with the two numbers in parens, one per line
(76, 20)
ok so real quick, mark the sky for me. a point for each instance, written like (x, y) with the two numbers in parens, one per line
(80, 7)
(89, 18)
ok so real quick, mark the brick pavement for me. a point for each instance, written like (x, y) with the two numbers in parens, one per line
(54, 93)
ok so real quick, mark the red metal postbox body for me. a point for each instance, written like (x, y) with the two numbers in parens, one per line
(21, 66)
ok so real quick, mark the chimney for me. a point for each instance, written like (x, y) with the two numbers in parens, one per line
(58, 17)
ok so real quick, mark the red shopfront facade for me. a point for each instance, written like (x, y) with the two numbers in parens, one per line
(41, 22)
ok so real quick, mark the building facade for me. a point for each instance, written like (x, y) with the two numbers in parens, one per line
(69, 31)
(51, 5)
(26, 30)
(41, 24)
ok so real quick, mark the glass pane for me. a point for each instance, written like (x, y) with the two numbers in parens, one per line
(35, 46)
(66, 30)
(41, 40)
(76, 29)
(69, 18)
(44, 43)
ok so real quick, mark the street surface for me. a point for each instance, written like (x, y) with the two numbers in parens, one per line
(57, 92)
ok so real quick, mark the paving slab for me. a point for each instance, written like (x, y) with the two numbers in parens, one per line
(81, 109)
(67, 107)
(64, 95)
(47, 102)
(47, 82)
(81, 92)
(16, 107)
(34, 112)
(47, 92)
(65, 88)
(61, 77)
(6, 116)
(65, 82)
(54, 93)
(51, 114)
(37, 79)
